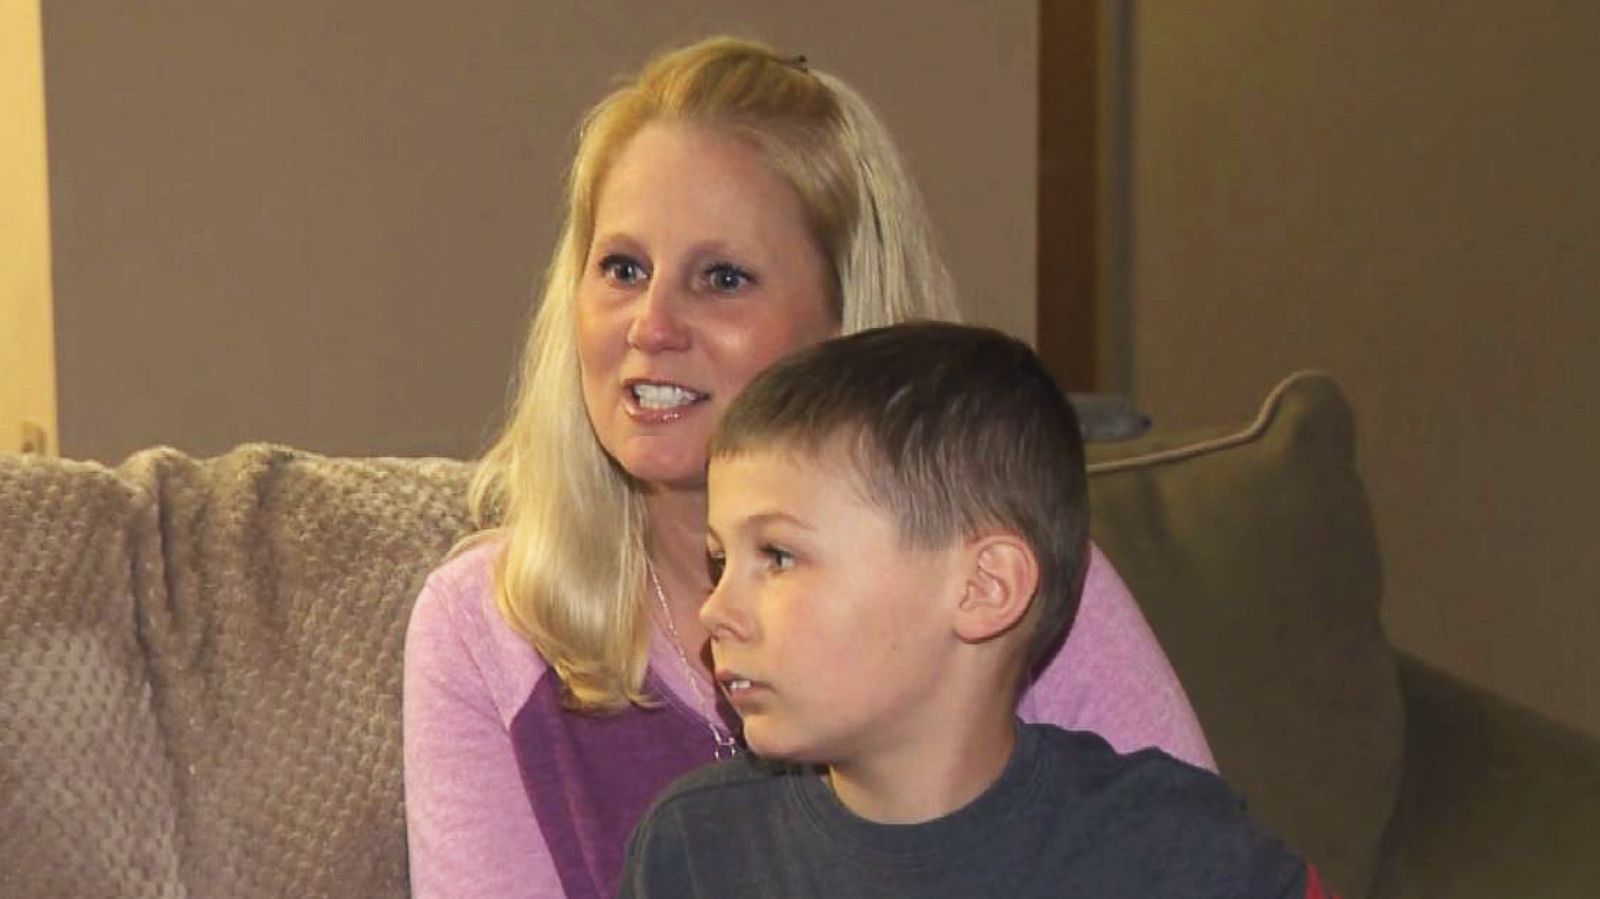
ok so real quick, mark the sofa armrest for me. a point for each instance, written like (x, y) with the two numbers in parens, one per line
(1495, 800)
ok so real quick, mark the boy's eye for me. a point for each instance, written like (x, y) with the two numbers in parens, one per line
(619, 269)
(727, 278)
(715, 564)
(777, 558)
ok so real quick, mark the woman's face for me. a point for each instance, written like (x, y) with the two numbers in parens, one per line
(702, 272)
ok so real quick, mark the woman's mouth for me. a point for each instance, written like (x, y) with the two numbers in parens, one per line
(661, 397)
(658, 398)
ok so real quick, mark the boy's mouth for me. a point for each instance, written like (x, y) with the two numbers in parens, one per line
(734, 684)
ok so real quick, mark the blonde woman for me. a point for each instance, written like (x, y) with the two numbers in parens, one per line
(727, 207)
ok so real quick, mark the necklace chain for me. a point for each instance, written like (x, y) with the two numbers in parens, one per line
(727, 746)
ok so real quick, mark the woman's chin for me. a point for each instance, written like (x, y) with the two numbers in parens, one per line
(658, 468)
(656, 478)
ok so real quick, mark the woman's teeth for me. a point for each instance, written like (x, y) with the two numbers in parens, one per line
(737, 684)
(663, 396)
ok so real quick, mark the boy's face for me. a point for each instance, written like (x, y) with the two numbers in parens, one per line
(829, 636)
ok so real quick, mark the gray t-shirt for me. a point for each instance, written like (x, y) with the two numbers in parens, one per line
(1068, 817)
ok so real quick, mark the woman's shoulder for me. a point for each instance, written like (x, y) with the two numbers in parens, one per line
(468, 571)
(456, 623)
(458, 596)
(1111, 676)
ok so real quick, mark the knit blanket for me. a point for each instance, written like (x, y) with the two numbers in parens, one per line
(200, 665)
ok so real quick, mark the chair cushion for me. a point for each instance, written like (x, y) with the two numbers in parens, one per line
(273, 600)
(87, 792)
(1253, 555)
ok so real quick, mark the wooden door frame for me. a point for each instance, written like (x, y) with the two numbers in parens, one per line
(1083, 330)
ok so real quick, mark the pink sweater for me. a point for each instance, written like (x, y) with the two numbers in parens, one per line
(508, 795)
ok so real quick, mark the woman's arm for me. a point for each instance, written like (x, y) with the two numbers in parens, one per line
(1111, 677)
(470, 827)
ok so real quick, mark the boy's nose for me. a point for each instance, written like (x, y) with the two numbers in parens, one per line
(658, 324)
(721, 615)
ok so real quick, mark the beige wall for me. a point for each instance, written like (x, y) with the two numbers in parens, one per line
(319, 223)
(1405, 193)
(27, 366)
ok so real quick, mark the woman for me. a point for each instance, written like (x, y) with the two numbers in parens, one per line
(727, 207)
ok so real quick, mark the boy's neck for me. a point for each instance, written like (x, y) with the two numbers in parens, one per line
(928, 779)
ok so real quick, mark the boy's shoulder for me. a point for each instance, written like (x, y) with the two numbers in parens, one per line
(1085, 772)
(1091, 764)
(1146, 803)
(738, 778)
(1089, 770)
(1085, 767)
(738, 801)
(1069, 809)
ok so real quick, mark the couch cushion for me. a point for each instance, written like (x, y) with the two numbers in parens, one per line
(86, 787)
(273, 600)
(1252, 553)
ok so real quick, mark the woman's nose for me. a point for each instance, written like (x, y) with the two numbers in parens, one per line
(658, 324)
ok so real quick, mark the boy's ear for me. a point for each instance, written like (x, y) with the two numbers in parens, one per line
(1001, 580)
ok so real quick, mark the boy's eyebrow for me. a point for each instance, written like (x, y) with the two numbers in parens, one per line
(761, 518)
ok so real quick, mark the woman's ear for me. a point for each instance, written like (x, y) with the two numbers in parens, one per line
(1002, 578)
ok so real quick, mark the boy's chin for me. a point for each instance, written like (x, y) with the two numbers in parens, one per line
(773, 747)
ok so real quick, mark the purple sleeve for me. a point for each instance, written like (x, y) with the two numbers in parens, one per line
(1111, 677)
(470, 827)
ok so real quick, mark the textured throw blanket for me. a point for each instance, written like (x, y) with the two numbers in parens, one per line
(200, 667)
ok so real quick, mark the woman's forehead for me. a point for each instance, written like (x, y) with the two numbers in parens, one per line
(676, 179)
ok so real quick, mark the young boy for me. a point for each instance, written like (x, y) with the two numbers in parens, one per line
(898, 527)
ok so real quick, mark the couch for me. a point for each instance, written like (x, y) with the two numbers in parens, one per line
(200, 669)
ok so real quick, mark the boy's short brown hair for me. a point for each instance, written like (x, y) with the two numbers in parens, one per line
(950, 428)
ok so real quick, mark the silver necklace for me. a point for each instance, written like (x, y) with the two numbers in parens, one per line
(727, 746)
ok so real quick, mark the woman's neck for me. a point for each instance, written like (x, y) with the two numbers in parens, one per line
(675, 538)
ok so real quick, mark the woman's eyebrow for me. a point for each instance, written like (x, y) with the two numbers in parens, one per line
(613, 239)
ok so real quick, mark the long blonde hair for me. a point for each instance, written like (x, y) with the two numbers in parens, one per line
(570, 576)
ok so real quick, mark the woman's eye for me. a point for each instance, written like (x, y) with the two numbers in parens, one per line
(715, 564)
(727, 278)
(778, 559)
(621, 270)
